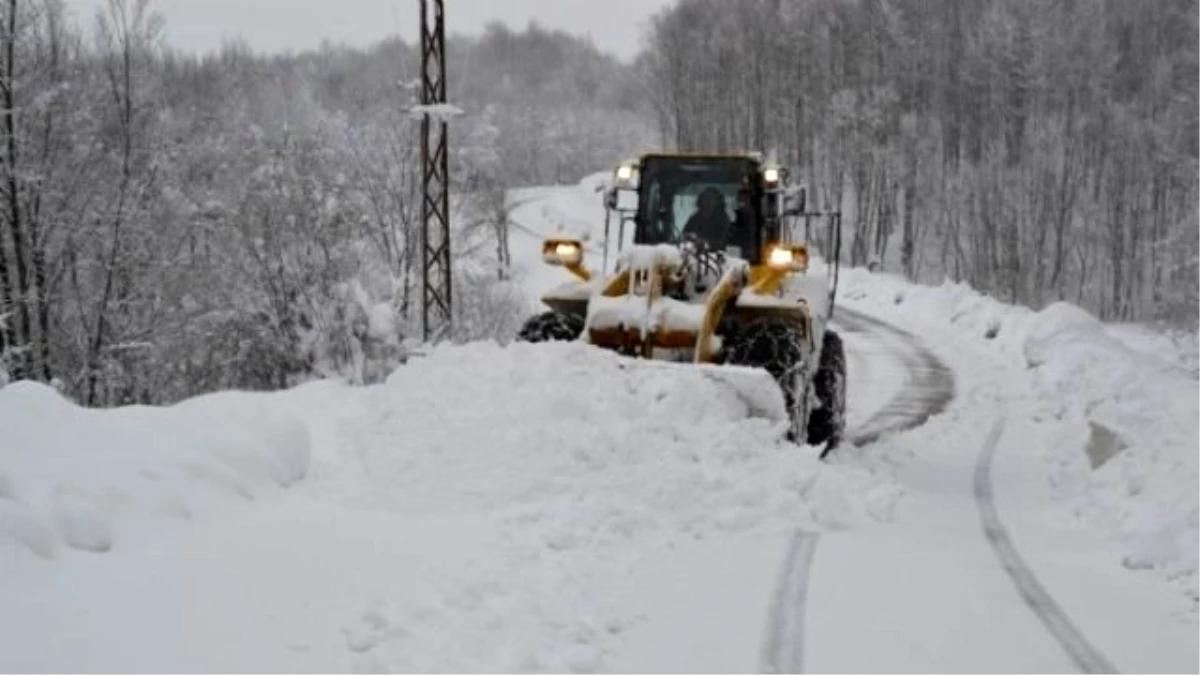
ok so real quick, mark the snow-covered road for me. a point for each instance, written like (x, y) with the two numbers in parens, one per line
(549, 508)
(942, 587)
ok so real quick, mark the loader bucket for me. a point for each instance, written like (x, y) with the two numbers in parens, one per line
(754, 387)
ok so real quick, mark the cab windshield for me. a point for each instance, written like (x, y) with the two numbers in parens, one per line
(690, 197)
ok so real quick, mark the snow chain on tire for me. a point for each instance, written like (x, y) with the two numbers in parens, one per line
(827, 422)
(777, 346)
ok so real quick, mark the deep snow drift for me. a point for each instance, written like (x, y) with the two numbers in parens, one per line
(1174, 346)
(588, 468)
(566, 469)
(87, 480)
(607, 445)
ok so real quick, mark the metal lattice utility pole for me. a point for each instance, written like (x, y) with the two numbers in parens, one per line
(435, 177)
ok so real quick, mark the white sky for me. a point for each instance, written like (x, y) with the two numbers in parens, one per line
(278, 25)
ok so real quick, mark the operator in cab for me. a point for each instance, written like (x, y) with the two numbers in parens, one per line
(709, 224)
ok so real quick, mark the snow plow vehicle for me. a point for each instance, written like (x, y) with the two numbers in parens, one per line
(715, 277)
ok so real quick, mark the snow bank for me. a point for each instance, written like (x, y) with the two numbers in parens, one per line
(981, 318)
(486, 508)
(1178, 347)
(660, 446)
(588, 464)
(1147, 491)
(90, 480)
(1092, 385)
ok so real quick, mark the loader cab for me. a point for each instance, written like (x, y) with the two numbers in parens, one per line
(681, 194)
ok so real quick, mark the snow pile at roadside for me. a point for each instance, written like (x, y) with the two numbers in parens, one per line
(955, 305)
(1099, 392)
(84, 479)
(1175, 346)
(1146, 491)
(631, 444)
(587, 464)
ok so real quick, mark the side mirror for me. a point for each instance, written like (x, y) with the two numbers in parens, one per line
(796, 202)
(626, 201)
(620, 199)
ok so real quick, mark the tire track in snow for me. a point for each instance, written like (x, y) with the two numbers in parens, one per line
(927, 390)
(1086, 657)
(928, 386)
(783, 648)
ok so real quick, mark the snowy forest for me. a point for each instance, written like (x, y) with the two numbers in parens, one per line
(1039, 150)
(174, 224)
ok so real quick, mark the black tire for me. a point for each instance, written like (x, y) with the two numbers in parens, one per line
(777, 346)
(827, 422)
(551, 327)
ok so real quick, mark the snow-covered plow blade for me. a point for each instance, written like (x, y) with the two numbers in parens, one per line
(643, 311)
(753, 387)
(631, 316)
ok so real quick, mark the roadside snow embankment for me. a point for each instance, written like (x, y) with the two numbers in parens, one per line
(83, 479)
(620, 443)
(587, 467)
(1122, 451)
(1141, 437)
(1179, 347)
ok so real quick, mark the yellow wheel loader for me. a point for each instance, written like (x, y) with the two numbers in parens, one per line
(717, 275)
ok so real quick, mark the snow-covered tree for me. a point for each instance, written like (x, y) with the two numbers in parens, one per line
(1040, 150)
(173, 223)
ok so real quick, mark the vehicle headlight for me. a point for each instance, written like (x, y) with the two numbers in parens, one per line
(771, 175)
(625, 176)
(788, 258)
(562, 252)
